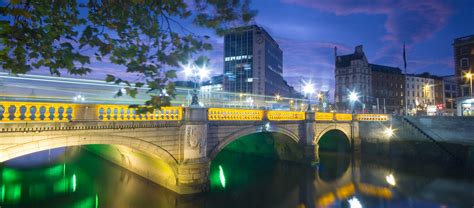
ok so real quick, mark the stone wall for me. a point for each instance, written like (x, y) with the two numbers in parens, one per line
(409, 143)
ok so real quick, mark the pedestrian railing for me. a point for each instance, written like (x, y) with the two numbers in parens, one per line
(36, 111)
(219, 114)
(125, 113)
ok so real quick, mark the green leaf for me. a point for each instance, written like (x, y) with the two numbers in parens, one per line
(110, 78)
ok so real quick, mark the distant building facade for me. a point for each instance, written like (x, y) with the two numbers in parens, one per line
(450, 94)
(388, 89)
(463, 63)
(420, 93)
(253, 62)
(352, 74)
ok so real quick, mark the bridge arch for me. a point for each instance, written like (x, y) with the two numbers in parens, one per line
(144, 148)
(248, 131)
(344, 128)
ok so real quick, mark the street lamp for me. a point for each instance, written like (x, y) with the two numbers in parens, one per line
(277, 97)
(196, 74)
(308, 90)
(469, 76)
(353, 97)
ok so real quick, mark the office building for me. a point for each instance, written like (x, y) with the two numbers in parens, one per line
(253, 62)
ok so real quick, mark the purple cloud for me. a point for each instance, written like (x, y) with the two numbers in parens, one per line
(406, 20)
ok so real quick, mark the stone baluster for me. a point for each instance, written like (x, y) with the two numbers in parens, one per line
(56, 112)
(28, 112)
(47, 113)
(17, 114)
(38, 112)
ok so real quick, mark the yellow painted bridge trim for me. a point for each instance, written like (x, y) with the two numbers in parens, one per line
(343, 117)
(125, 113)
(372, 117)
(220, 114)
(37, 111)
(321, 116)
(286, 115)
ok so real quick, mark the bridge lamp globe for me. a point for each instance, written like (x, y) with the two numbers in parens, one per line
(308, 89)
(188, 71)
(203, 73)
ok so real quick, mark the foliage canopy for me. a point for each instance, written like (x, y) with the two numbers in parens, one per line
(145, 36)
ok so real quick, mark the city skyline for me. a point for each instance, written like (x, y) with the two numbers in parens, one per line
(307, 32)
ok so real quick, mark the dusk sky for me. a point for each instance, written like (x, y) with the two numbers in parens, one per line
(308, 30)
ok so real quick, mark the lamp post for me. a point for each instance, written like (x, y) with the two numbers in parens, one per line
(308, 90)
(197, 75)
(469, 76)
(353, 97)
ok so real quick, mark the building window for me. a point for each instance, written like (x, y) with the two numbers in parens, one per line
(464, 50)
(464, 62)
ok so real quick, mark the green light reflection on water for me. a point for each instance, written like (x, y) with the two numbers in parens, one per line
(96, 200)
(222, 176)
(74, 183)
(9, 175)
(3, 194)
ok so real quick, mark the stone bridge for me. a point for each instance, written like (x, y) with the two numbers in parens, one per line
(173, 147)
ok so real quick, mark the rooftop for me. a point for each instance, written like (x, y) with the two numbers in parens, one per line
(385, 69)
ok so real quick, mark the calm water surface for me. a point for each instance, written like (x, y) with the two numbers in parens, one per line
(78, 178)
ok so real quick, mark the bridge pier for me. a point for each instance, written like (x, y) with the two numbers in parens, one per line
(194, 167)
(309, 148)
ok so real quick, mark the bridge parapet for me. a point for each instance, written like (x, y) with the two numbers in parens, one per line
(215, 114)
(372, 117)
(65, 112)
(125, 113)
(37, 111)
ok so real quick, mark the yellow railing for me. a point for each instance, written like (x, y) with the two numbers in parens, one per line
(285, 115)
(124, 113)
(343, 117)
(372, 117)
(36, 111)
(321, 116)
(218, 114)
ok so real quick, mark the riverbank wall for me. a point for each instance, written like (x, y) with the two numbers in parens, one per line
(446, 141)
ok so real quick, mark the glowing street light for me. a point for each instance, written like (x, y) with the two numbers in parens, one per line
(354, 203)
(308, 89)
(353, 96)
(197, 75)
(390, 180)
(79, 98)
(469, 76)
(389, 132)
(277, 97)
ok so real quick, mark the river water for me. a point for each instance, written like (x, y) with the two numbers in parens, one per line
(78, 178)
